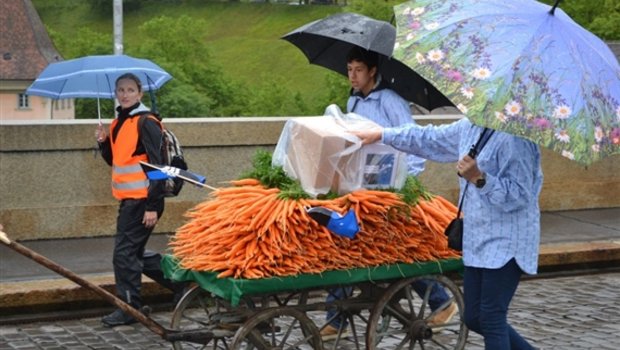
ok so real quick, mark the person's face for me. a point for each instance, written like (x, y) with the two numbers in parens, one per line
(360, 77)
(127, 93)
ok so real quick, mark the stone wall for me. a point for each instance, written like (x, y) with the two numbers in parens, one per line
(53, 184)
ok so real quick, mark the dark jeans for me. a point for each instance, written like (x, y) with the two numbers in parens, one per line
(333, 295)
(437, 298)
(130, 240)
(488, 293)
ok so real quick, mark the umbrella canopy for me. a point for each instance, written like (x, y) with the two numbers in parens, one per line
(518, 66)
(326, 42)
(95, 76)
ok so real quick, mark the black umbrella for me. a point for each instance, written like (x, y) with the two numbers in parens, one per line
(326, 42)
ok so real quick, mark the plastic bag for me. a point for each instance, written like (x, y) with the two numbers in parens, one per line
(322, 154)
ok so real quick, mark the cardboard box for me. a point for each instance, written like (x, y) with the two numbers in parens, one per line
(323, 156)
(314, 144)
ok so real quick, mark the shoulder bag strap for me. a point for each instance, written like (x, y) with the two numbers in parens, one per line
(473, 152)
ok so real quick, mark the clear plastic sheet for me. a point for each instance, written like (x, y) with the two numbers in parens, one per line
(322, 154)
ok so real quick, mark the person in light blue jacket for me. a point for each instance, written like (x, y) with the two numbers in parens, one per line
(372, 99)
(501, 215)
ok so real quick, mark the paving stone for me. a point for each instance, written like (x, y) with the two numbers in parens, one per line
(14, 336)
(578, 312)
(21, 345)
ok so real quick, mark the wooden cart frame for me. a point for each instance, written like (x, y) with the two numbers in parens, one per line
(381, 308)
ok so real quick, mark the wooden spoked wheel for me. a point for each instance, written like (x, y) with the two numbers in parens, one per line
(200, 310)
(402, 318)
(281, 328)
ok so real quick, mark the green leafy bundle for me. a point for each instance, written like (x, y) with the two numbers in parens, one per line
(275, 177)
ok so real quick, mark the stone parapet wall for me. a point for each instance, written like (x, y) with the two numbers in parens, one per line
(53, 184)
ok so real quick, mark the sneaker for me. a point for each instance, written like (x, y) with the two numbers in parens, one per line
(444, 316)
(330, 332)
(117, 318)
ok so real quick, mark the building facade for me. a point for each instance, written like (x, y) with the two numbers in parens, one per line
(26, 49)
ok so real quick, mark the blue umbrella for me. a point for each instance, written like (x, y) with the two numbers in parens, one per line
(95, 76)
(518, 66)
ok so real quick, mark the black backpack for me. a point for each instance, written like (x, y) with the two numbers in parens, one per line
(172, 154)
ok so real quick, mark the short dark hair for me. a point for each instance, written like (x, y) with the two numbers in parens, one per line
(130, 76)
(370, 58)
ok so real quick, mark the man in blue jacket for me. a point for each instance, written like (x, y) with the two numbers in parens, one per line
(372, 99)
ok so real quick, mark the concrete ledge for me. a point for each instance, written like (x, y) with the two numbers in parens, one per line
(62, 294)
(53, 184)
(563, 254)
(59, 294)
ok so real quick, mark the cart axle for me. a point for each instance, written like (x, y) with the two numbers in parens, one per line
(198, 336)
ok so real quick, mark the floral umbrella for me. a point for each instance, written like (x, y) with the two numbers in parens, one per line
(518, 66)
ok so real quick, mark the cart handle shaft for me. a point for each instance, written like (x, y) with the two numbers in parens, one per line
(40, 259)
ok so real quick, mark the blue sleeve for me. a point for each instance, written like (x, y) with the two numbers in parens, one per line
(438, 143)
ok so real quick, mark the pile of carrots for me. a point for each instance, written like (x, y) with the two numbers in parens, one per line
(247, 231)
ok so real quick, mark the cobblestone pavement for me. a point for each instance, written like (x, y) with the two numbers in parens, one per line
(576, 312)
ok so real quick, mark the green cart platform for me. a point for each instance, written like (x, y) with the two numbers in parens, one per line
(384, 307)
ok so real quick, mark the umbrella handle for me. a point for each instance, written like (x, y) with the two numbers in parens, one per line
(99, 111)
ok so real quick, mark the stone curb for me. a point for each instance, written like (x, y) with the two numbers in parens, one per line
(62, 294)
(573, 253)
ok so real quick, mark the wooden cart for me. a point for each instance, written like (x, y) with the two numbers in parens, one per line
(382, 309)
(380, 306)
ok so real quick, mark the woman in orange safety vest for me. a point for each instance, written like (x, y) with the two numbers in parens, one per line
(141, 200)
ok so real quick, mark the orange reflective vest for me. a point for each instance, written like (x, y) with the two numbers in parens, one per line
(128, 178)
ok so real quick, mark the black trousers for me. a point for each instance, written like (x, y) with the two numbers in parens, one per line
(130, 240)
(152, 270)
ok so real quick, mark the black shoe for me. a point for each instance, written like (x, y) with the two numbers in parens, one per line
(117, 318)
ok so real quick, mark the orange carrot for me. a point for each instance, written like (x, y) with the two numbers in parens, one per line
(247, 232)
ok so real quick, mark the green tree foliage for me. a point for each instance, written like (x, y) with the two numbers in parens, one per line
(86, 42)
(202, 89)
(336, 92)
(273, 98)
(601, 17)
(378, 9)
(104, 8)
(608, 24)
